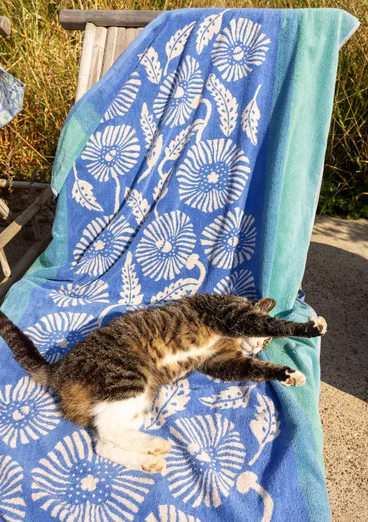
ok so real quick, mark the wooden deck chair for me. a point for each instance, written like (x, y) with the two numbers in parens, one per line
(106, 36)
(16, 224)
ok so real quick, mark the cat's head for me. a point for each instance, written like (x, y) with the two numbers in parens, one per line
(255, 345)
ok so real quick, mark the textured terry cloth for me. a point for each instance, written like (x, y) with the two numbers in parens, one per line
(11, 97)
(193, 165)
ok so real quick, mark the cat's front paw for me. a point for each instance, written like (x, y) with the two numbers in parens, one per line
(319, 325)
(294, 378)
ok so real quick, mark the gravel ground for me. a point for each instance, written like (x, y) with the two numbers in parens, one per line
(336, 283)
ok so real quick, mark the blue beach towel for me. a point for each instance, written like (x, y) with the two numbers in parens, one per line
(194, 165)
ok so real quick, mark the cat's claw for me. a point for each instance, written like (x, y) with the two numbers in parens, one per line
(319, 323)
(295, 378)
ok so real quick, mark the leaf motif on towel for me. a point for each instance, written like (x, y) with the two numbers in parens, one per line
(177, 42)
(131, 289)
(169, 400)
(233, 397)
(138, 203)
(265, 426)
(250, 118)
(209, 28)
(152, 64)
(149, 127)
(82, 192)
(152, 156)
(125, 98)
(176, 146)
(227, 106)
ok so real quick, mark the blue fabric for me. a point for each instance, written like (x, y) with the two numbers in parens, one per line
(11, 97)
(163, 180)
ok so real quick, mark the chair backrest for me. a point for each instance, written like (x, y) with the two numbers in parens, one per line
(106, 36)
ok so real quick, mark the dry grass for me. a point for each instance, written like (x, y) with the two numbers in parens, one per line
(46, 58)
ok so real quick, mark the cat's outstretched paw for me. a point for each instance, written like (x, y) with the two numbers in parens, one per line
(294, 378)
(158, 446)
(320, 324)
(154, 464)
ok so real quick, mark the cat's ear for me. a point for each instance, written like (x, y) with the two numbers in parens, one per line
(265, 305)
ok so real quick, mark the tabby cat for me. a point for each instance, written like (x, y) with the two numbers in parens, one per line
(109, 380)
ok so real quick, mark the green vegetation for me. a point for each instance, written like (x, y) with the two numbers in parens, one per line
(45, 56)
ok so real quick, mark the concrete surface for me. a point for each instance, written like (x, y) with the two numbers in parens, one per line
(336, 283)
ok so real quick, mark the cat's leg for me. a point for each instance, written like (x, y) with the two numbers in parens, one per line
(130, 459)
(117, 424)
(249, 324)
(231, 365)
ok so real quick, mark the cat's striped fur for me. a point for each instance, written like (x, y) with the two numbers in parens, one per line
(110, 378)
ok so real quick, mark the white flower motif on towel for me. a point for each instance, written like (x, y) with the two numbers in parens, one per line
(237, 283)
(168, 513)
(79, 295)
(230, 239)
(27, 412)
(167, 243)
(110, 152)
(125, 98)
(12, 505)
(205, 459)
(213, 174)
(55, 334)
(102, 243)
(238, 48)
(72, 483)
(179, 94)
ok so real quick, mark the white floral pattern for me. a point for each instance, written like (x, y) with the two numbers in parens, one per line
(56, 333)
(167, 243)
(168, 513)
(238, 283)
(179, 94)
(103, 242)
(205, 459)
(212, 175)
(230, 240)
(125, 98)
(12, 505)
(73, 483)
(27, 412)
(111, 152)
(79, 295)
(238, 48)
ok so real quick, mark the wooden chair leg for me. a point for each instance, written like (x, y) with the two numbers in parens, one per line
(5, 212)
(4, 263)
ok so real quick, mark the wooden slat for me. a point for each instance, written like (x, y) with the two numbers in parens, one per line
(23, 184)
(130, 36)
(139, 30)
(97, 56)
(4, 263)
(17, 225)
(110, 48)
(85, 61)
(5, 26)
(120, 44)
(73, 19)
(23, 265)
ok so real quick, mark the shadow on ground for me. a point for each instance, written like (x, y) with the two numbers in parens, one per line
(336, 283)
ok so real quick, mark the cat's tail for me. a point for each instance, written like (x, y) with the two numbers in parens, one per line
(25, 351)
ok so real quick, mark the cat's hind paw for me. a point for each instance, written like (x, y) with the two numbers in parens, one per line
(320, 324)
(294, 378)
